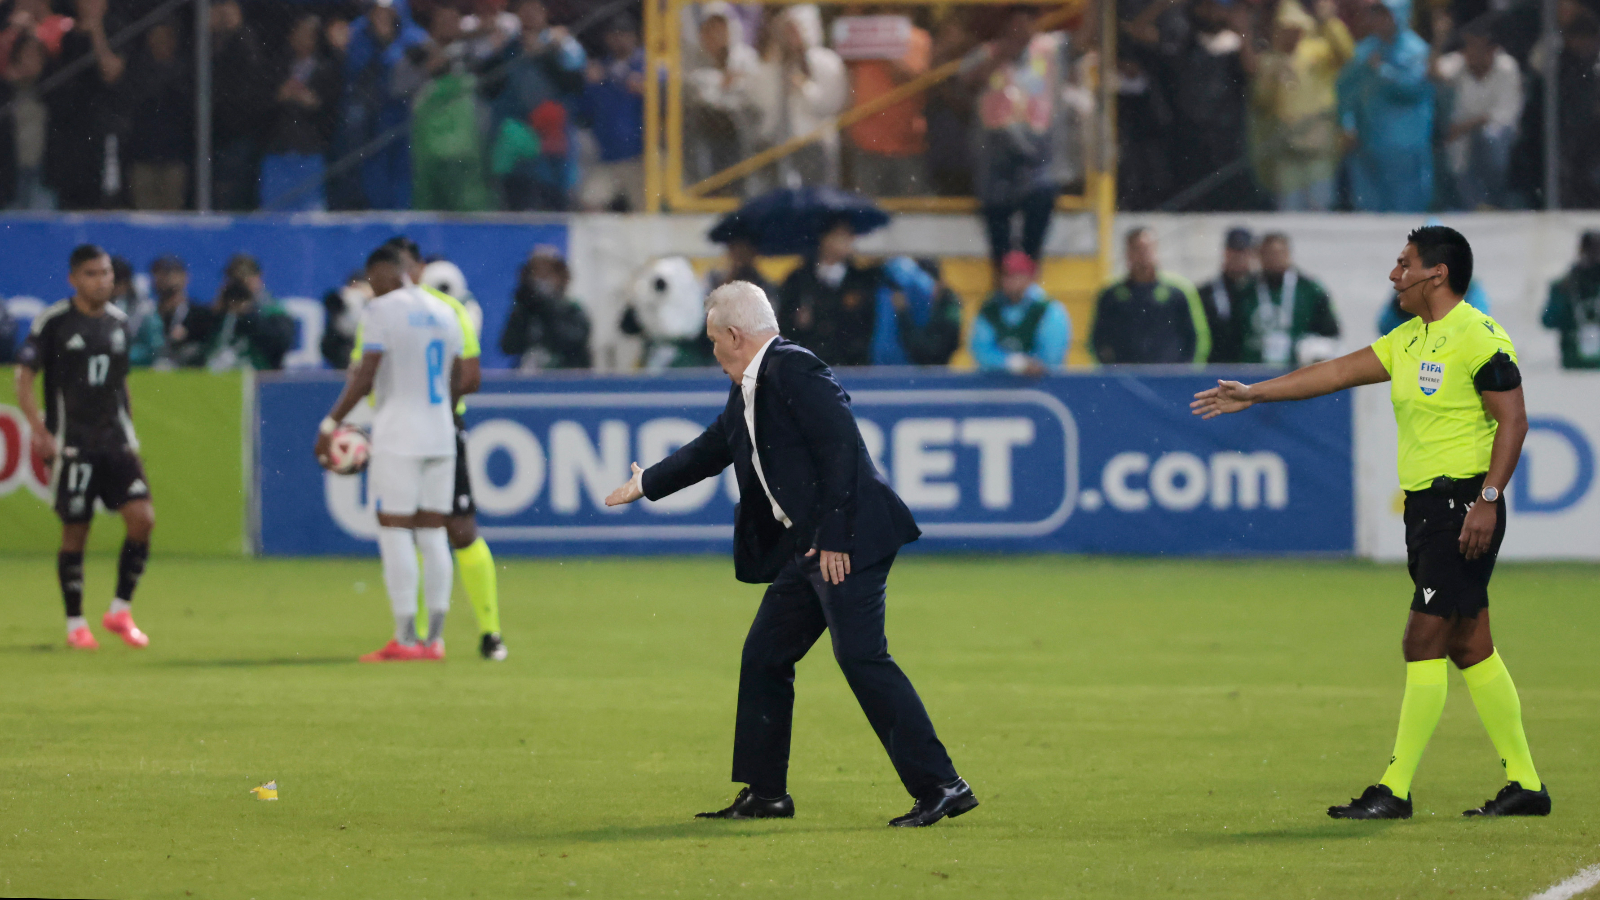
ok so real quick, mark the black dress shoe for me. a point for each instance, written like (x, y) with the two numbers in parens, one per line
(1516, 800)
(1376, 802)
(748, 806)
(951, 800)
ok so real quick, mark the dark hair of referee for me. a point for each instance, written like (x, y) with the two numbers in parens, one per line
(1438, 245)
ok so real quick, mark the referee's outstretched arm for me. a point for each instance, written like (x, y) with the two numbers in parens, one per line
(1348, 371)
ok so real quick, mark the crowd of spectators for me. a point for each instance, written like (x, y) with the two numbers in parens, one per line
(468, 105)
(1366, 105)
(1259, 309)
(243, 326)
(454, 105)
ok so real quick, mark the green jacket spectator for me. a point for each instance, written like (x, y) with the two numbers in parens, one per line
(1285, 307)
(1574, 307)
(254, 332)
(546, 328)
(1020, 329)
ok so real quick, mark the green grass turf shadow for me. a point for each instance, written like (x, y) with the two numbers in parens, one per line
(263, 663)
(1134, 728)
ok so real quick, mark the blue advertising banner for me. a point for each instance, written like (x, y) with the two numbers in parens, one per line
(302, 257)
(1096, 463)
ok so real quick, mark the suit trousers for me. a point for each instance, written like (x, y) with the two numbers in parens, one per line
(797, 608)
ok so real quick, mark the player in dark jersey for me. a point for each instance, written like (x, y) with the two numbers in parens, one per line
(81, 347)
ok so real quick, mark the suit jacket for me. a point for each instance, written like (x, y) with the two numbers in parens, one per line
(815, 463)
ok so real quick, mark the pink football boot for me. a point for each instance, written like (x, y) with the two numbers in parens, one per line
(394, 651)
(121, 625)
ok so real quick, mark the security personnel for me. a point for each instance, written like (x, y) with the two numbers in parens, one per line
(1457, 398)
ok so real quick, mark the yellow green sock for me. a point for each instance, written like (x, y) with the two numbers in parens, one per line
(476, 564)
(1427, 683)
(1495, 696)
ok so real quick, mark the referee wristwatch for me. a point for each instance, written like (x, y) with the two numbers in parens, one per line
(1490, 493)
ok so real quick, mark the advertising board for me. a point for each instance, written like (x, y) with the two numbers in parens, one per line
(1103, 463)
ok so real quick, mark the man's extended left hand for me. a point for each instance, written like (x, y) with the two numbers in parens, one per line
(1478, 531)
(835, 566)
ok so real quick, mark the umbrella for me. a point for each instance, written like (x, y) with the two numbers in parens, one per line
(792, 220)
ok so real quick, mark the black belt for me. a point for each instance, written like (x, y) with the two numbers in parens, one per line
(1444, 484)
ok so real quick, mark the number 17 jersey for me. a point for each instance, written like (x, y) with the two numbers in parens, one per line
(84, 360)
(420, 340)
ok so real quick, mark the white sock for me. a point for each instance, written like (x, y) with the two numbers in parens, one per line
(438, 577)
(398, 548)
(76, 622)
(120, 605)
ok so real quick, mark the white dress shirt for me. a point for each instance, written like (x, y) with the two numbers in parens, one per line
(748, 386)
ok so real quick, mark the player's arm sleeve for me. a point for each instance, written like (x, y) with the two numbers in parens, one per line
(834, 444)
(1494, 366)
(694, 462)
(1055, 335)
(369, 335)
(36, 349)
(1499, 373)
(1383, 346)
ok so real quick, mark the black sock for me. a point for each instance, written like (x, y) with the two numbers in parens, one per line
(69, 569)
(768, 791)
(129, 567)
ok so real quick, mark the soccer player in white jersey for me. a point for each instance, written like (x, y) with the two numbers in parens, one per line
(411, 362)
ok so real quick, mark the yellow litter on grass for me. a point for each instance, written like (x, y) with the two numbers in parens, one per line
(268, 791)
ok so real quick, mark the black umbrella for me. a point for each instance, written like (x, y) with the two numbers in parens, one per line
(792, 220)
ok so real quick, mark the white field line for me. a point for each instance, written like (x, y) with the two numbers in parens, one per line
(1572, 887)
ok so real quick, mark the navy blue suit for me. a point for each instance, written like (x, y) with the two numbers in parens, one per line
(821, 476)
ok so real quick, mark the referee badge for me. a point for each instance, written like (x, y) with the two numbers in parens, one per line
(1429, 376)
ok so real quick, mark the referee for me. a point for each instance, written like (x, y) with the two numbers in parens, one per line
(1457, 398)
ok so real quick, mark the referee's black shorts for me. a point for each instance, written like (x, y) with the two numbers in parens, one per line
(1447, 583)
(462, 504)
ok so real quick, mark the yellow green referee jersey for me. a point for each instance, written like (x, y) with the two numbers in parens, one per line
(470, 348)
(1444, 429)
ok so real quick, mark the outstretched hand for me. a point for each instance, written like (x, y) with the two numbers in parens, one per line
(1226, 397)
(629, 492)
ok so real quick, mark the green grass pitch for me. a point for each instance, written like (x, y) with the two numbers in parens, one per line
(1134, 728)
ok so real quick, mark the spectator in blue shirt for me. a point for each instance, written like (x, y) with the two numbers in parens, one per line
(613, 104)
(1386, 110)
(378, 41)
(1021, 330)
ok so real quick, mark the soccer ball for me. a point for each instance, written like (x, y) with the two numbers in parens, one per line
(349, 451)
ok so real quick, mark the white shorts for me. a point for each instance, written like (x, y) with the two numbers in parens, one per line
(401, 485)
